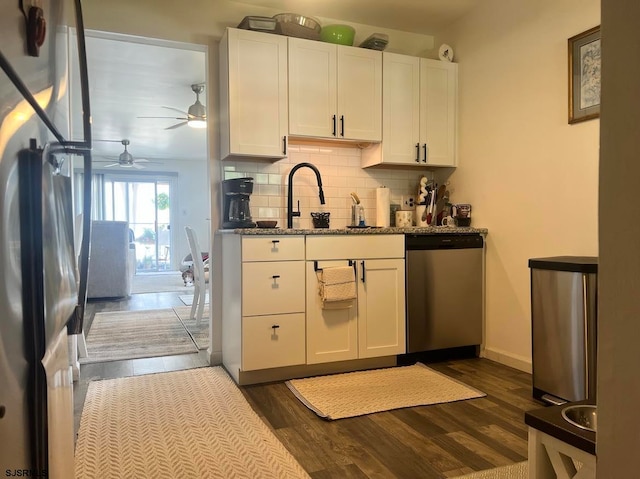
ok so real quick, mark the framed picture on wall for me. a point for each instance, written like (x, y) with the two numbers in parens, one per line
(584, 76)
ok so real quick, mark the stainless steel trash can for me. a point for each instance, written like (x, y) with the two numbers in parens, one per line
(564, 327)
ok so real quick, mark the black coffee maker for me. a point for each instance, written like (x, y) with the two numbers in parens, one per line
(237, 213)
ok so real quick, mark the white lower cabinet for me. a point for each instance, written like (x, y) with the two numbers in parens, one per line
(273, 317)
(272, 341)
(332, 334)
(272, 287)
(374, 326)
(381, 304)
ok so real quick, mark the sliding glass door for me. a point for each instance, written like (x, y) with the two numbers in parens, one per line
(146, 205)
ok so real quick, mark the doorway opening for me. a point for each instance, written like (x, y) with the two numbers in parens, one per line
(146, 205)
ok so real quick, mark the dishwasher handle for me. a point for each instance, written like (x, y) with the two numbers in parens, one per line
(443, 241)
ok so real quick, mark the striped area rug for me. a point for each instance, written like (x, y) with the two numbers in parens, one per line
(199, 333)
(185, 424)
(137, 334)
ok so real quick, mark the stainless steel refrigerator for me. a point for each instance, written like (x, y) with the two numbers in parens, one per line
(564, 293)
(43, 284)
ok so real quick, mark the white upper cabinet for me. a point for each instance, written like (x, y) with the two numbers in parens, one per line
(419, 113)
(253, 94)
(438, 122)
(401, 107)
(335, 91)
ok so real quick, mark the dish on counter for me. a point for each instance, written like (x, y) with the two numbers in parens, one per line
(266, 224)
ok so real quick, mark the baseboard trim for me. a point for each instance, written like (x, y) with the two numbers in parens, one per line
(215, 357)
(508, 359)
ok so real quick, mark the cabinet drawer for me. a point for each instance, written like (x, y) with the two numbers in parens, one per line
(264, 346)
(273, 287)
(272, 248)
(355, 246)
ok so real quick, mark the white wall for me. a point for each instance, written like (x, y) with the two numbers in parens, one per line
(531, 177)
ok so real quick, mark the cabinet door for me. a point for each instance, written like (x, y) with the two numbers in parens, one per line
(332, 334)
(272, 287)
(312, 88)
(256, 87)
(438, 123)
(381, 307)
(359, 94)
(401, 109)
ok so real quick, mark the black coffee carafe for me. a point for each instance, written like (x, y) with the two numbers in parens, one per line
(237, 211)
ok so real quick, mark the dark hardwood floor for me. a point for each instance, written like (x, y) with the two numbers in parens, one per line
(437, 441)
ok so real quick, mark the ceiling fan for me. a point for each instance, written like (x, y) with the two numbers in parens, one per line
(195, 117)
(126, 159)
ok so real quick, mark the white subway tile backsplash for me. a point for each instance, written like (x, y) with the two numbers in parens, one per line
(276, 201)
(275, 179)
(309, 149)
(341, 174)
(261, 179)
(260, 200)
(269, 190)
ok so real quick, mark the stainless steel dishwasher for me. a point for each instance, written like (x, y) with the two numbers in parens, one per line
(444, 291)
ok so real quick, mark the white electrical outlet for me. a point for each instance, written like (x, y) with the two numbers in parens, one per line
(408, 202)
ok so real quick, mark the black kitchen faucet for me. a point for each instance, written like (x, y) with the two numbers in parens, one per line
(290, 212)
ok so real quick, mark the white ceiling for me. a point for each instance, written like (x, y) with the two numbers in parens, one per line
(128, 79)
(417, 16)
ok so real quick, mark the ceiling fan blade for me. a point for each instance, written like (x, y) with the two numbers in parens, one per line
(177, 125)
(112, 164)
(137, 166)
(175, 109)
(140, 160)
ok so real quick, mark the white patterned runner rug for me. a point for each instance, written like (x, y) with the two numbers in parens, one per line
(184, 424)
(519, 470)
(364, 392)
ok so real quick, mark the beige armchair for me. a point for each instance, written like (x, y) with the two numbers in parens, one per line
(111, 268)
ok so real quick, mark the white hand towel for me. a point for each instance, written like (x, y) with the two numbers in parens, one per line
(338, 284)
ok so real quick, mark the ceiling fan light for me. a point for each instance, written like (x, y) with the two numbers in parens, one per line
(196, 123)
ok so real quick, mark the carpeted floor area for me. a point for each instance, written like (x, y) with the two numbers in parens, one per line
(187, 424)
(339, 396)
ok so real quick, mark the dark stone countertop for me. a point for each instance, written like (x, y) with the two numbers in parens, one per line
(550, 421)
(430, 230)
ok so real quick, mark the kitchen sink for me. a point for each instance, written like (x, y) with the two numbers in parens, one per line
(583, 416)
